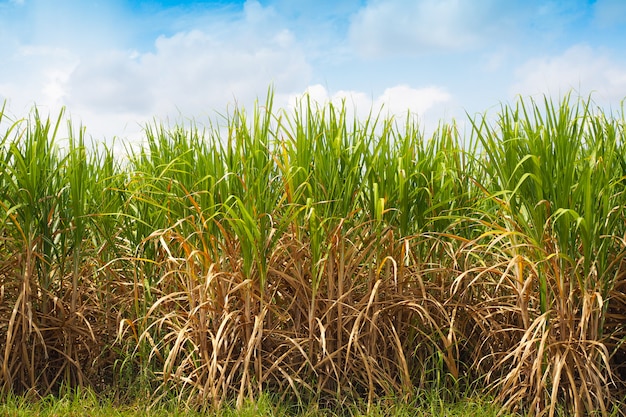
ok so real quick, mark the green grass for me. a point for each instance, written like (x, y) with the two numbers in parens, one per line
(89, 404)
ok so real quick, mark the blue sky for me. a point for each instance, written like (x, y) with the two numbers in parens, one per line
(117, 64)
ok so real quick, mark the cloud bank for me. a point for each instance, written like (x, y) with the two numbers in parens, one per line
(117, 65)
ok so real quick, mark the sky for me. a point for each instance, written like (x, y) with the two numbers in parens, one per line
(115, 65)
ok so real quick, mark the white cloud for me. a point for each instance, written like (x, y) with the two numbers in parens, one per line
(111, 82)
(40, 78)
(410, 27)
(394, 102)
(402, 98)
(190, 74)
(198, 72)
(580, 68)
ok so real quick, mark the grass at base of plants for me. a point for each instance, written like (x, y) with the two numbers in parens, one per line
(87, 403)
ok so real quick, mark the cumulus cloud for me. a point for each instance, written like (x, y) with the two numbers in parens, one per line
(189, 72)
(396, 102)
(43, 73)
(580, 68)
(402, 98)
(194, 73)
(194, 70)
(222, 61)
(412, 27)
(112, 82)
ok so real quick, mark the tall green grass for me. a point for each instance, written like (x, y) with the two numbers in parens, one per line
(320, 258)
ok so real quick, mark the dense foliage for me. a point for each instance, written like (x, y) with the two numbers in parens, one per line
(322, 259)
